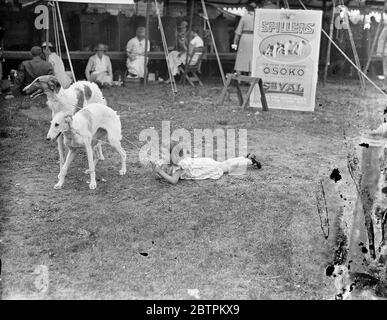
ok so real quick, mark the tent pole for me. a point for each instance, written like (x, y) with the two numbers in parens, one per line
(47, 36)
(189, 38)
(65, 41)
(328, 57)
(56, 31)
(354, 50)
(165, 47)
(146, 42)
(213, 42)
(374, 42)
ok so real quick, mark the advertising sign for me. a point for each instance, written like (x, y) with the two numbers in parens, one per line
(285, 55)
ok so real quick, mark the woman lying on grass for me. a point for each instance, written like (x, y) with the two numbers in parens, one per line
(184, 167)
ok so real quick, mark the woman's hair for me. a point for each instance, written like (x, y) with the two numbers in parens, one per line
(175, 150)
(253, 4)
(101, 46)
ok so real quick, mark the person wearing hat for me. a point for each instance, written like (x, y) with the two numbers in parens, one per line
(57, 65)
(135, 50)
(29, 70)
(99, 67)
(243, 39)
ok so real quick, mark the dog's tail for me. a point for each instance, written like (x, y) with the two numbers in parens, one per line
(93, 94)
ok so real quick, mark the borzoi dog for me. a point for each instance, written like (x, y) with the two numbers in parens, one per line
(78, 95)
(84, 129)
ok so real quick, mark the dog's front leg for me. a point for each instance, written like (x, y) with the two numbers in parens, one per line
(61, 151)
(96, 159)
(89, 151)
(64, 169)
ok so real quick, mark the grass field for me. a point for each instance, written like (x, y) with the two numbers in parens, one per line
(255, 236)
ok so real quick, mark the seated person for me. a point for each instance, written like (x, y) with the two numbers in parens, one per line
(177, 58)
(29, 70)
(135, 50)
(57, 65)
(99, 67)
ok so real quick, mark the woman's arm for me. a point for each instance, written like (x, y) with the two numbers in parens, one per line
(88, 69)
(109, 66)
(238, 33)
(174, 178)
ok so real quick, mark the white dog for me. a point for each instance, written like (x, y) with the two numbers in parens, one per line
(84, 129)
(78, 95)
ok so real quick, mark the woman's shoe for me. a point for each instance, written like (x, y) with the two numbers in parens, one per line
(254, 160)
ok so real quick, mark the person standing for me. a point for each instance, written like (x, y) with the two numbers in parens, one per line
(99, 67)
(135, 51)
(243, 39)
(57, 65)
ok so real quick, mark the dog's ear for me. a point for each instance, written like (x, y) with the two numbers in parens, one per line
(54, 84)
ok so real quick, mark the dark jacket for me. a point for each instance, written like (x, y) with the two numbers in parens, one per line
(31, 69)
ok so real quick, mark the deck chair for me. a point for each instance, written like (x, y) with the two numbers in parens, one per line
(193, 67)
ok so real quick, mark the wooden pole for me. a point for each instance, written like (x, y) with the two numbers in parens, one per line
(146, 42)
(328, 57)
(353, 45)
(213, 42)
(189, 38)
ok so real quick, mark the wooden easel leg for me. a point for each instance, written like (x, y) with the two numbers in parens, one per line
(263, 96)
(239, 92)
(224, 91)
(247, 100)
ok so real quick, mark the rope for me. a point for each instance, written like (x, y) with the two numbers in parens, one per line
(349, 60)
(213, 42)
(65, 41)
(56, 29)
(130, 142)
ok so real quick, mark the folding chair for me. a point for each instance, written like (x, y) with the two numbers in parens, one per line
(193, 67)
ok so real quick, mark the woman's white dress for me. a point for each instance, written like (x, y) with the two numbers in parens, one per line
(245, 47)
(208, 168)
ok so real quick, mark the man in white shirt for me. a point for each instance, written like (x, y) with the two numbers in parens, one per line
(57, 65)
(177, 58)
(135, 51)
